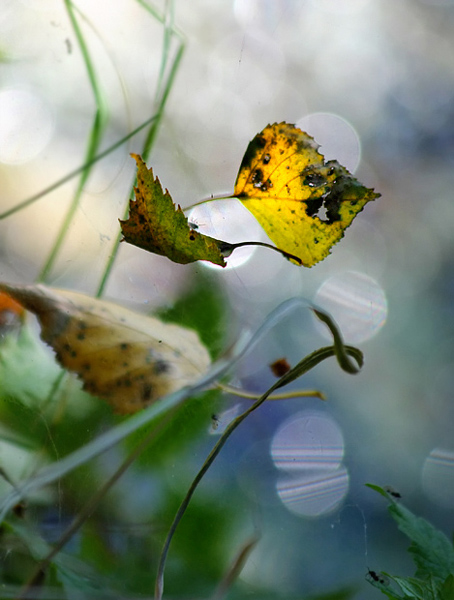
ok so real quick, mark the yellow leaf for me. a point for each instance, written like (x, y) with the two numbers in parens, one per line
(129, 359)
(157, 225)
(303, 203)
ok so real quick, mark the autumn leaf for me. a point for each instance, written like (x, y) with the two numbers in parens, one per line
(157, 225)
(129, 359)
(303, 204)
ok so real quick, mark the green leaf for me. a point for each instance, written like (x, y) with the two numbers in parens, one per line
(381, 582)
(156, 225)
(432, 552)
(285, 182)
(28, 370)
(417, 588)
(431, 549)
(378, 489)
(204, 309)
(73, 573)
(447, 590)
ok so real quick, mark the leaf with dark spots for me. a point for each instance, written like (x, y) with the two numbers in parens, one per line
(157, 225)
(295, 195)
(127, 358)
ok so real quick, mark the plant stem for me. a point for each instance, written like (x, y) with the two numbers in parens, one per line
(96, 133)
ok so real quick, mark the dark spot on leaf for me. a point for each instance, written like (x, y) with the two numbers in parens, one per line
(86, 366)
(266, 159)
(147, 391)
(257, 144)
(160, 366)
(90, 386)
(81, 336)
(257, 178)
(124, 346)
(192, 237)
(73, 353)
(313, 179)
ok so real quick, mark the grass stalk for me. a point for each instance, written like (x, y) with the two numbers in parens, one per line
(95, 137)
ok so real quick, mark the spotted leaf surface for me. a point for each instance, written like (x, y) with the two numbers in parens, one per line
(157, 225)
(129, 359)
(302, 202)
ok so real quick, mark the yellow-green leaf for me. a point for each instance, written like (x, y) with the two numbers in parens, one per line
(129, 359)
(157, 225)
(303, 203)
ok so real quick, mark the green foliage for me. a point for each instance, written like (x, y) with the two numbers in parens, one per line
(203, 308)
(432, 553)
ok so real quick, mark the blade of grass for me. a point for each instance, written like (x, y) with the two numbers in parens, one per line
(29, 201)
(160, 103)
(95, 137)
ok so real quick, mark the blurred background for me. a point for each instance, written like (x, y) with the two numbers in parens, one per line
(373, 82)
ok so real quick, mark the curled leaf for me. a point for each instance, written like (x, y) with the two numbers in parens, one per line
(129, 359)
(303, 204)
(157, 225)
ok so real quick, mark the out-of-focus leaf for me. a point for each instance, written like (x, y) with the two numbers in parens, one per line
(432, 551)
(129, 359)
(74, 574)
(417, 588)
(203, 308)
(447, 589)
(27, 368)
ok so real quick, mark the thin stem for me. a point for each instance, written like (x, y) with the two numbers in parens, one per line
(226, 249)
(206, 200)
(29, 201)
(159, 587)
(283, 396)
(96, 133)
(339, 350)
(148, 144)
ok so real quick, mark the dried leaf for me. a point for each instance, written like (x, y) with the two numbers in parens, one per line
(129, 359)
(156, 225)
(303, 203)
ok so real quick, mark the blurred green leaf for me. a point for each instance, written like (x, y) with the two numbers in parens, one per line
(432, 553)
(431, 549)
(204, 309)
(418, 589)
(73, 573)
(28, 370)
(447, 590)
(201, 547)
